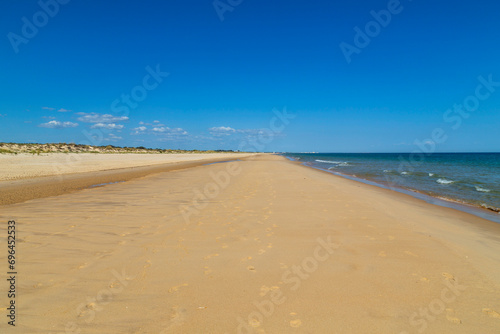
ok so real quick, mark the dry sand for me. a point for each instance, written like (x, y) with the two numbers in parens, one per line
(24, 165)
(275, 247)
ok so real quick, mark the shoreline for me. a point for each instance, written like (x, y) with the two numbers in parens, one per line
(477, 210)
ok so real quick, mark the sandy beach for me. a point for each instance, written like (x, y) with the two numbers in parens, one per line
(259, 245)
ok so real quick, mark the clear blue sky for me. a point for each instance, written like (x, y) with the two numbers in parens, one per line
(227, 76)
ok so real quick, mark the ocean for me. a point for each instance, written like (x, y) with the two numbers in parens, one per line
(466, 181)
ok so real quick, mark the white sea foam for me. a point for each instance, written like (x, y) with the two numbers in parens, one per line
(329, 162)
(338, 163)
(431, 174)
(404, 173)
(444, 181)
(484, 190)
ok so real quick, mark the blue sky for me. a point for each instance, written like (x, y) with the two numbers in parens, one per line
(66, 80)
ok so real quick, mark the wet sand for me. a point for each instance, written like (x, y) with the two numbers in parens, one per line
(24, 176)
(261, 245)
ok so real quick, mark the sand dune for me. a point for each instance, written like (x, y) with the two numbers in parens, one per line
(261, 245)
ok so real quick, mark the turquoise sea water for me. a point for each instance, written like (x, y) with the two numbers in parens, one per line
(470, 179)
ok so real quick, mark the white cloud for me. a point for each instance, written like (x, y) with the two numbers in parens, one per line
(226, 131)
(221, 131)
(139, 130)
(176, 131)
(58, 125)
(155, 123)
(112, 137)
(162, 132)
(48, 108)
(110, 126)
(100, 118)
(64, 110)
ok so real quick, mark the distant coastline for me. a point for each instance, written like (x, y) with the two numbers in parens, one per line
(36, 148)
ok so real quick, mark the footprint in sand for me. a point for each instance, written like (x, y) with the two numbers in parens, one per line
(251, 268)
(254, 323)
(269, 245)
(177, 317)
(295, 323)
(178, 313)
(112, 285)
(491, 313)
(207, 270)
(83, 265)
(265, 289)
(210, 256)
(176, 288)
(225, 246)
(89, 307)
(261, 251)
(411, 254)
(450, 316)
(449, 277)
(37, 285)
